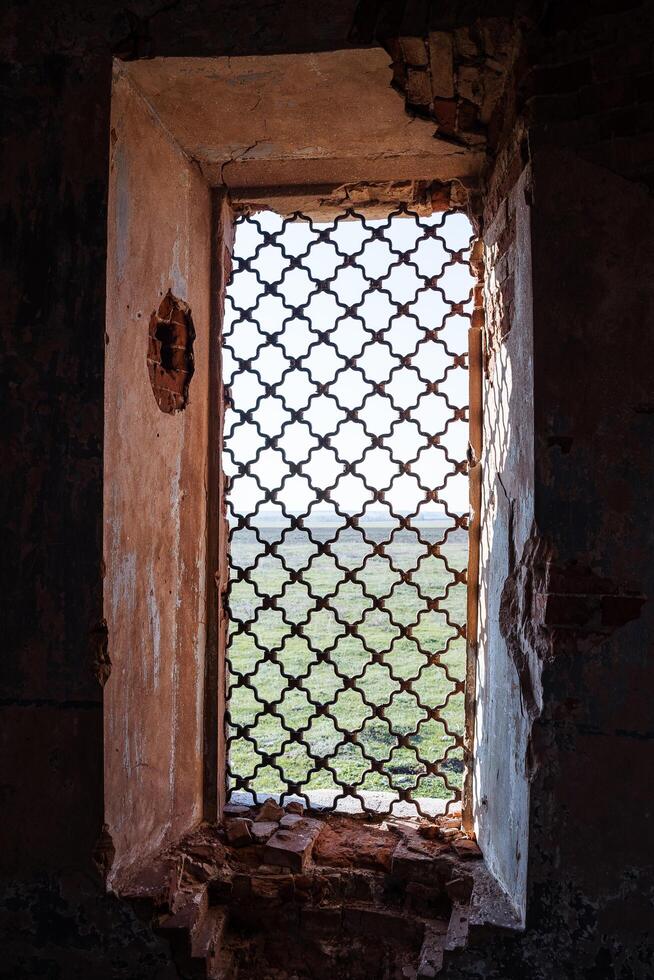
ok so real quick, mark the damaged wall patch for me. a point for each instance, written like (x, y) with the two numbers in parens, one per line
(170, 353)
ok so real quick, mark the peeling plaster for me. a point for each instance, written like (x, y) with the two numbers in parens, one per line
(524, 639)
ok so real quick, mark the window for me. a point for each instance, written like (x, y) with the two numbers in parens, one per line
(346, 430)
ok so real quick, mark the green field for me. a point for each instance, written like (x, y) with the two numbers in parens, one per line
(289, 673)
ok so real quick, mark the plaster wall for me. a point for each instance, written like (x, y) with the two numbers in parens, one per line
(154, 490)
(503, 724)
(289, 120)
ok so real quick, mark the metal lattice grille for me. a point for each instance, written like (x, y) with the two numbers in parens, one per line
(344, 449)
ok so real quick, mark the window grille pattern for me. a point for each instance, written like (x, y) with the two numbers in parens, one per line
(344, 451)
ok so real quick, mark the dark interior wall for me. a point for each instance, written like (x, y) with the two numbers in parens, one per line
(588, 127)
(576, 613)
(591, 747)
(593, 227)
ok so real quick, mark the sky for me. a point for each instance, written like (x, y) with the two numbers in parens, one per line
(371, 327)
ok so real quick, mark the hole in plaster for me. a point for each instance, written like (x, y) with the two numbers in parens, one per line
(170, 353)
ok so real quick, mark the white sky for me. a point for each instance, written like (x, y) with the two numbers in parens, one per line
(377, 312)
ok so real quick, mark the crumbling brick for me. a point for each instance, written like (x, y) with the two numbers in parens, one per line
(238, 832)
(466, 849)
(270, 810)
(441, 65)
(431, 954)
(418, 88)
(291, 847)
(289, 819)
(262, 830)
(344, 844)
(170, 353)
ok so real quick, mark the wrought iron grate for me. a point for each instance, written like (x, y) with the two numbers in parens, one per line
(344, 450)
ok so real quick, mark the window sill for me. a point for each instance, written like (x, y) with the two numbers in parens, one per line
(380, 886)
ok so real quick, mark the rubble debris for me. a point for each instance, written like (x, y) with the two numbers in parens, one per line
(430, 831)
(270, 810)
(289, 819)
(262, 830)
(238, 832)
(235, 810)
(348, 843)
(295, 807)
(466, 849)
(291, 847)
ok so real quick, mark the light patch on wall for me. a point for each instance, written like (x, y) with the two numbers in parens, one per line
(175, 500)
(178, 278)
(124, 584)
(155, 625)
(122, 208)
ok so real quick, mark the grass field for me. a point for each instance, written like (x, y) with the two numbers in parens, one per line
(288, 673)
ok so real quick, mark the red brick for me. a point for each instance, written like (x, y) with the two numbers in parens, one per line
(349, 843)
(466, 849)
(273, 887)
(632, 57)
(441, 63)
(577, 580)
(414, 51)
(418, 87)
(467, 117)
(292, 847)
(238, 832)
(445, 115)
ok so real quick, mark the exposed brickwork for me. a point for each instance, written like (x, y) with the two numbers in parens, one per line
(170, 353)
(391, 902)
(449, 65)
